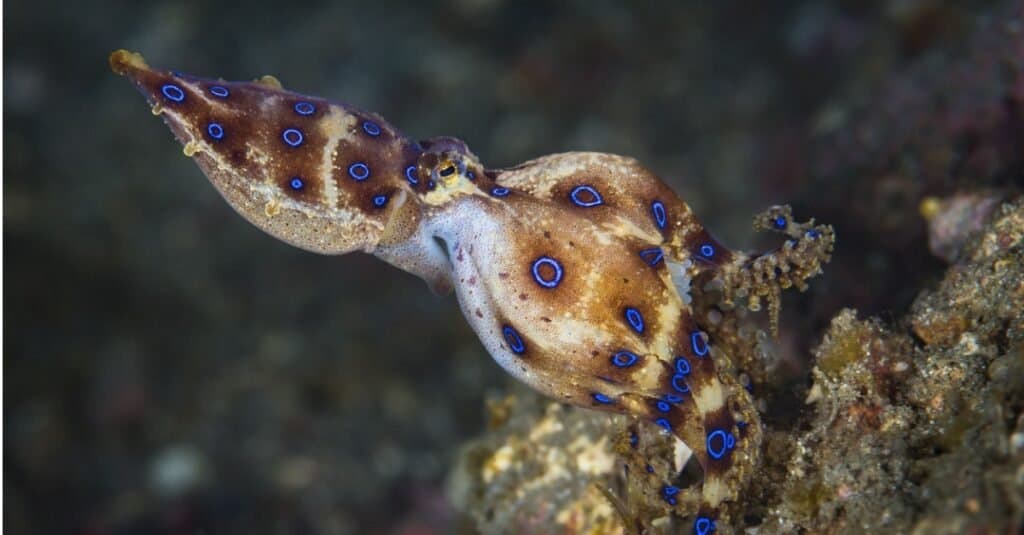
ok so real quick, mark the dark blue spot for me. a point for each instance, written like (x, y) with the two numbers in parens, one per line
(215, 130)
(589, 198)
(812, 234)
(664, 424)
(672, 398)
(371, 128)
(601, 398)
(305, 108)
(652, 256)
(514, 341)
(410, 175)
(359, 171)
(679, 383)
(658, 210)
(471, 175)
(703, 525)
(780, 222)
(664, 406)
(499, 192)
(633, 439)
(380, 200)
(707, 251)
(431, 185)
(177, 74)
(219, 91)
(668, 493)
(173, 92)
(650, 469)
(636, 321)
(719, 443)
(682, 366)
(296, 183)
(700, 345)
(292, 136)
(624, 359)
(556, 276)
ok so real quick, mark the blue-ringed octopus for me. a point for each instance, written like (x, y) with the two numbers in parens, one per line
(578, 271)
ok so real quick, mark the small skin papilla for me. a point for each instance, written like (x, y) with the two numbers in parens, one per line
(579, 272)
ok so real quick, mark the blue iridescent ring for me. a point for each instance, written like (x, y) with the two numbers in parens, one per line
(410, 175)
(499, 192)
(371, 128)
(664, 424)
(624, 359)
(296, 183)
(380, 200)
(635, 319)
(699, 343)
(663, 406)
(219, 91)
(585, 202)
(703, 525)
(359, 171)
(173, 92)
(601, 398)
(292, 136)
(668, 493)
(679, 383)
(719, 442)
(682, 366)
(780, 222)
(672, 398)
(305, 108)
(555, 277)
(514, 341)
(215, 130)
(652, 256)
(658, 209)
(707, 250)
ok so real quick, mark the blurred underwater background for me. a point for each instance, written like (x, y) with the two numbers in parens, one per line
(171, 369)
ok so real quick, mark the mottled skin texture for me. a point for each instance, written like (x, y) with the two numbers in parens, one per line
(573, 269)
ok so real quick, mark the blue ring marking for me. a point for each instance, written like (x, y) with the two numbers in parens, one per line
(700, 346)
(668, 493)
(682, 366)
(380, 200)
(173, 92)
(410, 175)
(812, 234)
(601, 398)
(359, 171)
(514, 341)
(296, 183)
(471, 175)
(780, 222)
(635, 319)
(679, 383)
(219, 91)
(660, 217)
(215, 130)
(721, 436)
(292, 136)
(304, 108)
(664, 406)
(703, 525)
(652, 256)
(371, 128)
(664, 424)
(707, 250)
(633, 439)
(547, 261)
(624, 359)
(499, 192)
(596, 197)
